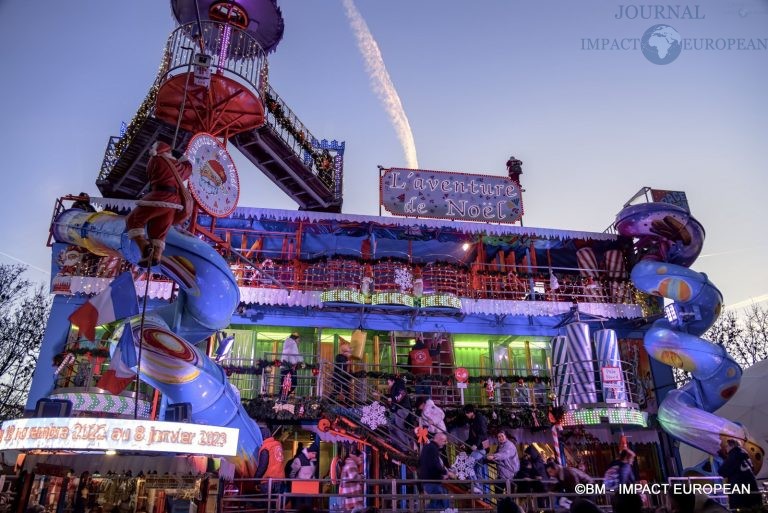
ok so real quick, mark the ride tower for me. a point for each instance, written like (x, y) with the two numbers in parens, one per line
(212, 89)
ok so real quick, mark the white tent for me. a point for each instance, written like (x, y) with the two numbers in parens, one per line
(749, 407)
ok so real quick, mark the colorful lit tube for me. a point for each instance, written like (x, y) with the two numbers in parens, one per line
(669, 239)
(208, 294)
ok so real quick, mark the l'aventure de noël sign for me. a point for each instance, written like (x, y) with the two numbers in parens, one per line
(97, 434)
(444, 195)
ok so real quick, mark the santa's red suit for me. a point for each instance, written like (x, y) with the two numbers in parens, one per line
(162, 206)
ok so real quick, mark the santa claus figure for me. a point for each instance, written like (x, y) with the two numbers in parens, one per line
(165, 205)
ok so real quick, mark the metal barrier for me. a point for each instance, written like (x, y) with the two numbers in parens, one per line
(407, 495)
(392, 495)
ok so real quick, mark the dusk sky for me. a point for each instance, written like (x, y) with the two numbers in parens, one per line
(478, 82)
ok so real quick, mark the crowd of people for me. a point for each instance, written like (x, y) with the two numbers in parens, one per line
(422, 423)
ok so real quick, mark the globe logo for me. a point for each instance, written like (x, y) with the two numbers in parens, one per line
(661, 44)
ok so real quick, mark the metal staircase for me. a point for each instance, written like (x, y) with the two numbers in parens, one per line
(287, 152)
(124, 168)
(283, 148)
(348, 404)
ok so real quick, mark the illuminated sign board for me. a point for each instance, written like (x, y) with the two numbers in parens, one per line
(96, 434)
(457, 196)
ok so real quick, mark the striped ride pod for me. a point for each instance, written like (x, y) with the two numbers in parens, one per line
(607, 349)
(614, 264)
(587, 261)
(616, 269)
(561, 378)
(620, 292)
(581, 366)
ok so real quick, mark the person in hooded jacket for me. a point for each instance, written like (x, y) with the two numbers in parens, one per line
(737, 469)
(431, 415)
(400, 409)
(531, 473)
(304, 467)
(270, 463)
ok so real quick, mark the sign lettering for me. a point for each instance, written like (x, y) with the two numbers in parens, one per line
(443, 195)
(117, 434)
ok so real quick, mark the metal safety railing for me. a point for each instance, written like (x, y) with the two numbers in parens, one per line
(410, 495)
(232, 52)
(575, 380)
(365, 382)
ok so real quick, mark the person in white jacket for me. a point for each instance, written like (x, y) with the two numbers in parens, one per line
(290, 358)
(431, 416)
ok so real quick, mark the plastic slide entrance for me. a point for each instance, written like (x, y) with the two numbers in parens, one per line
(208, 295)
(668, 240)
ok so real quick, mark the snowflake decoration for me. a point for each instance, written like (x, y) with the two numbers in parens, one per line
(463, 466)
(374, 415)
(403, 279)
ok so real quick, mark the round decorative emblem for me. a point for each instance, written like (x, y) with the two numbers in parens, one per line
(214, 182)
(461, 375)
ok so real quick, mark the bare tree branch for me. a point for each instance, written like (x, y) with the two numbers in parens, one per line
(25, 312)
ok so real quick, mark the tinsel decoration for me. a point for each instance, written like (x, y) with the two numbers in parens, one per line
(146, 107)
(374, 415)
(69, 359)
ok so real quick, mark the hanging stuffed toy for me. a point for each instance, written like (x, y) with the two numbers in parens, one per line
(366, 284)
(418, 282)
(489, 388)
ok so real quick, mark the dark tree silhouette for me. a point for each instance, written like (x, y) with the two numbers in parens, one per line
(743, 334)
(25, 308)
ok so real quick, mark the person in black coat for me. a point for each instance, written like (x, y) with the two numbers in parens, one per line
(737, 469)
(400, 409)
(432, 470)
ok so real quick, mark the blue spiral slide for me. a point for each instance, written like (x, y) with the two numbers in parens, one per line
(208, 295)
(668, 240)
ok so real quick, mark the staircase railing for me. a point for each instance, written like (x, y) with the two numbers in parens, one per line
(296, 136)
(349, 394)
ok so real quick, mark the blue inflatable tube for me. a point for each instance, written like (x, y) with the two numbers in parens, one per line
(668, 240)
(208, 295)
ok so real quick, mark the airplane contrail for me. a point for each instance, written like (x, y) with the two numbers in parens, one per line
(48, 272)
(381, 83)
(747, 302)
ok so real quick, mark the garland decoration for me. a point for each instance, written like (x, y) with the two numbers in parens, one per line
(261, 364)
(271, 408)
(322, 159)
(498, 417)
(448, 380)
(81, 351)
